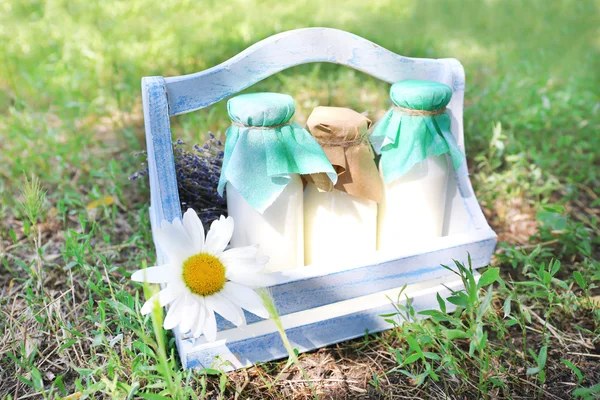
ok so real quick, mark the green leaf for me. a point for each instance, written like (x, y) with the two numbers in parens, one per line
(579, 279)
(411, 359)
(583, 392)
(68, 344)
(552, 220)
(497, 382)
(456, 334)
(436, 315)
(554, 208)
(84, 371)
(152, 396)
(488, 277)
(441, 303)
(223, 382)
(209, 371)
(134, 388)
(561, 284)
(13, 235)
(573, 368)
(388, 315)
(541, 359)
(58, 382)
(410, 375)
(414, 344)
(532, 371)
(424, 340)
(485, 304)
(431, 356)
(399, 356)
(585, 247)
(526, 314)
(36, 376)
(431, 313)
(555, 267)
(459, 299)
(546, 277)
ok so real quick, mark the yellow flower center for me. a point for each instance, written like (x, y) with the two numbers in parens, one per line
(204, 274)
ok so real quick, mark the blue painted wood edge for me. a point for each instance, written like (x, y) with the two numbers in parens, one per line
(161, 165)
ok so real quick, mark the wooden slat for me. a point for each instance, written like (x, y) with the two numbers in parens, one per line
(312, 329)
(164, 195)
(288, 49)
(310, 293)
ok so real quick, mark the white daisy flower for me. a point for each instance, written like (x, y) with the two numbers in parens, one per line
(202, 277)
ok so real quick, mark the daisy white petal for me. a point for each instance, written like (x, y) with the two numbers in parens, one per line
(190, 314)
(159, 274)
(164, 297)
(202, 278)
(252, 279)
(174, 314)
(200, 318)
(210, 324)
(219, 235)
(226, 309)
(231, 257)
(195, 229)
(149, 305)
(174, 240)
(236, 268)
(242, 254)
(246, 298)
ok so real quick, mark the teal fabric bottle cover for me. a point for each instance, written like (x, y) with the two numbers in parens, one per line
(417, 126)
(264, 147)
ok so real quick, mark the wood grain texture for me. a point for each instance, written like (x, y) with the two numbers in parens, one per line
(329, 288)
(276, 53)
(312, 329)
(164, 195)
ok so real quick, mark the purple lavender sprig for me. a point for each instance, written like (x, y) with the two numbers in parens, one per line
(198, 174)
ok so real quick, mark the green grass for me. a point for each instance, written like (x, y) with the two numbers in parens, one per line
(70, 118)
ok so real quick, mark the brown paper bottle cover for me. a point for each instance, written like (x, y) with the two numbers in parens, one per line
(343, 134)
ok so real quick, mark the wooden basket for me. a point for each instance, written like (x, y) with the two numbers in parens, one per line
(319, 305)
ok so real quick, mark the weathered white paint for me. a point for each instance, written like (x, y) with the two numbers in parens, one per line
(304, 294)
(314, 328)
(284, 50)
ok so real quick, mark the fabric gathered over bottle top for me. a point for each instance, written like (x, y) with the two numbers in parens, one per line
(417, 126)
(343, 134)
(264, 148)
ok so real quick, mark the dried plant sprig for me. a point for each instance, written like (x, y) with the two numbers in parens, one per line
(197, 173)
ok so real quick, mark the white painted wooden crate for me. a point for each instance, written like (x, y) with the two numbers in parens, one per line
(320, 305)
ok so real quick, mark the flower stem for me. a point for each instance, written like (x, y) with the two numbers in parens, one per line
(292, 354)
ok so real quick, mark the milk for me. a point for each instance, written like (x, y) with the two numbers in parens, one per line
(412, 209)
(278, 231)
(337, 226)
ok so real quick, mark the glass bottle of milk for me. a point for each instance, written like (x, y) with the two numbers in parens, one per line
(265, 154)
(340, 222)
(413, 139)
